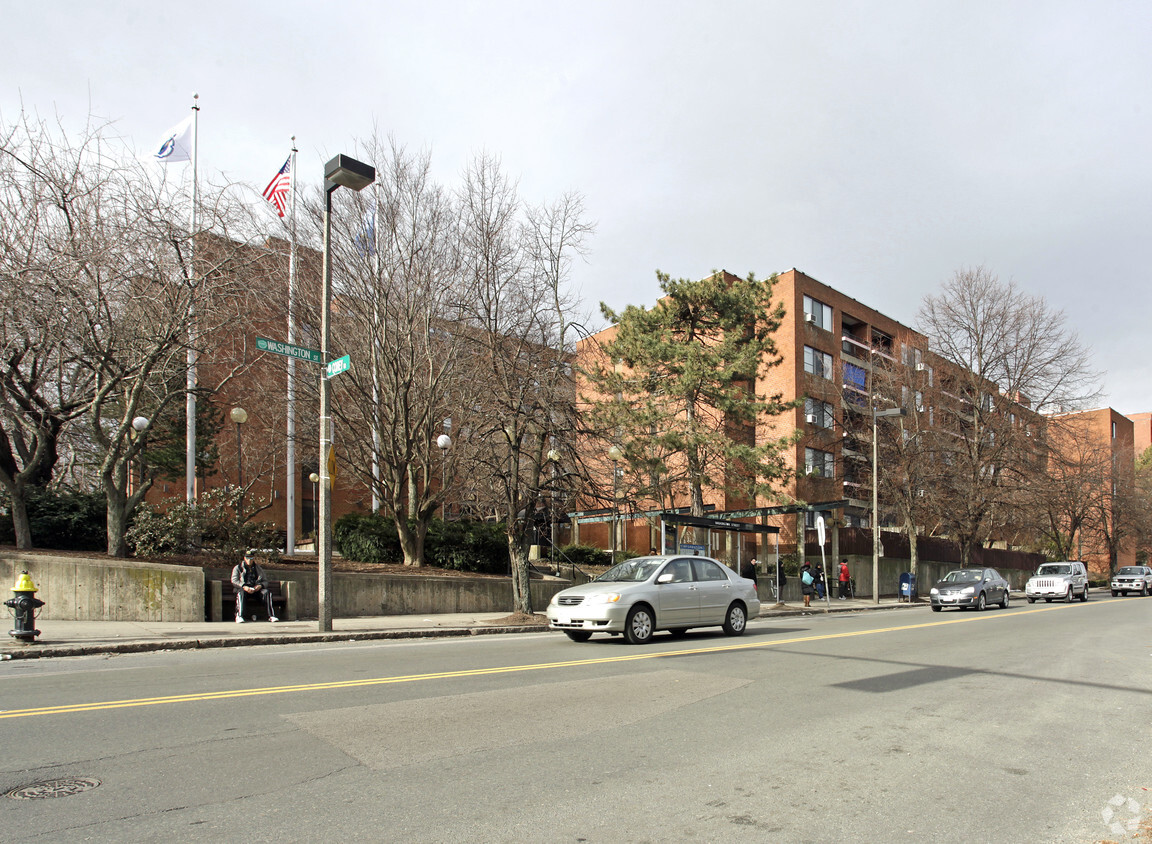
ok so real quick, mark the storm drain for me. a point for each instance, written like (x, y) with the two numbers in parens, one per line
(53, 788)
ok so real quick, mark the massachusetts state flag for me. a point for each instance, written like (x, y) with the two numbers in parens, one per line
(177, 143)
(277, 190)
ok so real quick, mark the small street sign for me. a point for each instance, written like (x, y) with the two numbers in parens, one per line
(335, 367)
(298, 352)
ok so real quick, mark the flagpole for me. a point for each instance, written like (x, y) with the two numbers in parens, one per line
(190, 451)
(290, 492)
(376, 346)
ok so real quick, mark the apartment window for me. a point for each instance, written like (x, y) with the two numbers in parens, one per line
(818, 362)
(817, 313)
(819, 463)
(818, 413)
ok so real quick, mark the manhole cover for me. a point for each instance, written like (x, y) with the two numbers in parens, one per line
(53, 788)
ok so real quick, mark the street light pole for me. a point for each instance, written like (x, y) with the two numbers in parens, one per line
(878, 414)
(615, 455)
(444, 442)
(239, 416)
(349, 173)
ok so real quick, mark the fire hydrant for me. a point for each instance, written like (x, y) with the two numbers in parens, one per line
(24, 605)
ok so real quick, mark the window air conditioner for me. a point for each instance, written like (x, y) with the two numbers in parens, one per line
(810, 418)
(810, 318)
(921, 367)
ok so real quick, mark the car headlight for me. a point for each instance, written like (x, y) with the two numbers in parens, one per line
(934, 591)
(553, 602)
(603, 598)
(968, 590)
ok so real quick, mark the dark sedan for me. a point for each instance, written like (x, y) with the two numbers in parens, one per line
(976, 588)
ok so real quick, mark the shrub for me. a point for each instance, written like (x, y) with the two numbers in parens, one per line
(211, 523)
(467, 546)
(367, 538)
(71, 521)
(585, 556)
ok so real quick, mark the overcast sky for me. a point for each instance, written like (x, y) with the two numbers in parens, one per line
(877, 146)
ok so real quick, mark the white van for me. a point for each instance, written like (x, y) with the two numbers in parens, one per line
(1067, 580)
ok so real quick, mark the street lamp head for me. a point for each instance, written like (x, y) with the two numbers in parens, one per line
(443, 442)
(239, 415)
(344, 171)
(615, 454)
(139, 424)
(553, 455)
(314, 478)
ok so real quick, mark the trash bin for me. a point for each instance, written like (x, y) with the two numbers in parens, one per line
(907, 586)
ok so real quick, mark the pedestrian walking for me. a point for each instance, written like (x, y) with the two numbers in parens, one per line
(818, 582)
(845, 579)
(807, 584)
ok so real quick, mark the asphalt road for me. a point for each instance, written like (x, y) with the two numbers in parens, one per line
(1029, 724)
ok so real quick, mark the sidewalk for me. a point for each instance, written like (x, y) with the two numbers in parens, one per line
(81, 638)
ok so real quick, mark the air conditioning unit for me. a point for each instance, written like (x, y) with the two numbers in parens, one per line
(810, 318)
(810, 418)
(921, 367)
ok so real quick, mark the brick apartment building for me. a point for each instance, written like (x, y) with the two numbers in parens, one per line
(830, 344)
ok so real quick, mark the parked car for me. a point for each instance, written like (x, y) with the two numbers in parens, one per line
(970, 588)
(1066, 580)
(646, 594)
(1136, 579)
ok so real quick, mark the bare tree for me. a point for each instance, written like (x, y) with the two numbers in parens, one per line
(1012, 358)
(398, 315)
(519, 329)
(96, 242)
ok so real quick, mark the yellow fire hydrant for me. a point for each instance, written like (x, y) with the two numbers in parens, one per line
(24, 605)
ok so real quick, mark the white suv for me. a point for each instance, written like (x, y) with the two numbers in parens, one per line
(1067, 580)
(1136, 579)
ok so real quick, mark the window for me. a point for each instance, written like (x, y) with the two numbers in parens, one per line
(706, 570)
(818, 411)
(817, 313)
(818, 362)
(855, 377)
(822, 464)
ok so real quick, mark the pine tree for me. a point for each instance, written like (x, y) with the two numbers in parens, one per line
(678, 387)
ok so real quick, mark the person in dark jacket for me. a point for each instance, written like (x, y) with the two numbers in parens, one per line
(807, 584)
(251, 582)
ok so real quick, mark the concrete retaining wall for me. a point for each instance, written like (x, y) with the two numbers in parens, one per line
(357, 595)
(83, 589)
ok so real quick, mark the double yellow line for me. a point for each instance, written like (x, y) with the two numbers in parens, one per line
(98, 706)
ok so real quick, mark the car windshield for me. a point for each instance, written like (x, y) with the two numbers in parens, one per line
(1055, 569)
(1130, 570)
(963, 575)
(631, 571)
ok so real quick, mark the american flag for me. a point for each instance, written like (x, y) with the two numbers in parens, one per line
(277, 190)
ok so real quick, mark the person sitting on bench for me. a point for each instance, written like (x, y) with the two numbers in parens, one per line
(250, 581)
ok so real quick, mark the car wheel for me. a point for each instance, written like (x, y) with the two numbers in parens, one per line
(1047, 600)
(1144, 591)
(1084, 594)
(1068, 595)
(936, 608)
(639, 625)
(1113, 593)
(1031, 600)
(981, 602)
(578, 635)
(736, 620)
(1004, 603)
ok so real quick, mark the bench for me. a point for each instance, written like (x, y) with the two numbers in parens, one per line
(220, 597)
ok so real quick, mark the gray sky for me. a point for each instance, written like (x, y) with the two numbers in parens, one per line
(877, 146)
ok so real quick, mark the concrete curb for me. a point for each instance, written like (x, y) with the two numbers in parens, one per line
(38, 651)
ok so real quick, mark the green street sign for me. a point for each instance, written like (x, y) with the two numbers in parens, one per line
(276, 347)
(335, 367)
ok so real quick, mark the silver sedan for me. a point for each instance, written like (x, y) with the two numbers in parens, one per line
(646, 594)
(974, 588)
